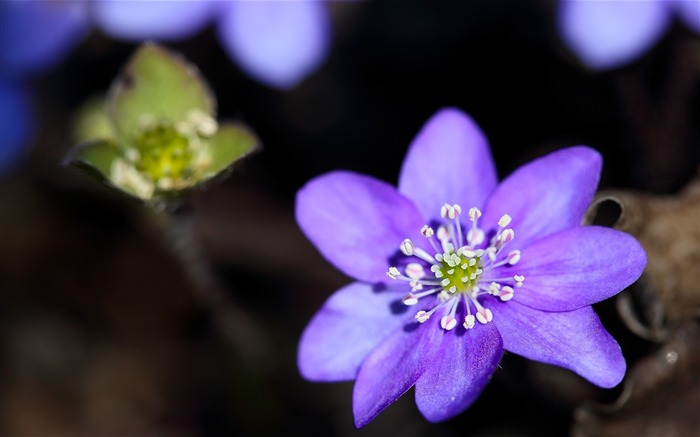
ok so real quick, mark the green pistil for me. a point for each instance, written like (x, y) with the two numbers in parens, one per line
(460, 277)
(163, 152)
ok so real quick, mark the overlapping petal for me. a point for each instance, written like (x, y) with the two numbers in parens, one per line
(393, 367)
(546, 195)
(160, 20)
(449, 161)
(357, 222)
(575, 340)
(459, 372)
(577, 267)
(278, 43)
(607, 34)
(352, 322)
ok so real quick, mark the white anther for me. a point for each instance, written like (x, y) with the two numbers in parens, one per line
(491, 253)
(443, 296)
(448, 323)
(518, 280)
(469, 321)
(443, 233)
(465, 279)
(513, 257)
(416, 286)
(445, 282)
(422, 316)
(427, 231)
(415, 271)
(475, 236)
(507, 235)
(472, 262)
(474, 214)
(407, 247)
(450, 211)
(393, 273)
(453, 289)
(466, 251)
(451, 272)
(506, 293)
(494, 287)
(409, 300)
(484, 315)
(504, 221)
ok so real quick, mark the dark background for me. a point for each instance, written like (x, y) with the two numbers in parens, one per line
(103, 332)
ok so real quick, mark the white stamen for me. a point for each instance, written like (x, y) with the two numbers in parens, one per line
(484, 315)
(445, 210)
(491, 253)
(474, 214)
(427, 231)
(415, 271)
(518, 280)
(422, 316)
(506, 293)
(448, 323)
(469, 321)
(513, 257)
(407, 247)
(475, 236)
(393, 273)
(409, 300)
(504, 221)
(507, 235)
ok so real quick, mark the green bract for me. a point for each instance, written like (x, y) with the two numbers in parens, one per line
(162, 135)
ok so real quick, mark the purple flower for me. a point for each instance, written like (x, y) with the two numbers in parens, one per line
(609, 33)
(442, 290)
(279, 43)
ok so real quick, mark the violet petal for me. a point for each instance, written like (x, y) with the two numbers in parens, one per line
(575, 340)
(393, 367)
(459, 372)
(34, 35)
(546, 195)
(352, 322)
(277, 43)
(577, 267)
(689, 12)
(161, 20)
(449, 161)
(608, 34)
(357, 222)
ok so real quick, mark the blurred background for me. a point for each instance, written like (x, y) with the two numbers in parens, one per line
(107, 330)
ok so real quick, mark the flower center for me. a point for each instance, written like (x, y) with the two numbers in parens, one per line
(461, 269)
(166, 155)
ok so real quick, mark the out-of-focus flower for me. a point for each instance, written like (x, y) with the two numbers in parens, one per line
(164, 137)
(279, 43)
(610, 33)
(441, 291)
(34, 36)
(15, 123)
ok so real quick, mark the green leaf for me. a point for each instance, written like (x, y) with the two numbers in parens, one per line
(231, 143)
(156, 83)
(97, 155)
